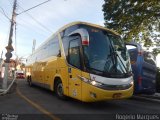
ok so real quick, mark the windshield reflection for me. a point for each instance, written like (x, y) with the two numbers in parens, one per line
(106, 54)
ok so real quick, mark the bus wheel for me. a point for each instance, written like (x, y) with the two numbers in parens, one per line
(59, 89)
(30, 81)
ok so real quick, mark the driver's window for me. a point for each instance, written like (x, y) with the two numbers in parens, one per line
(74, 52)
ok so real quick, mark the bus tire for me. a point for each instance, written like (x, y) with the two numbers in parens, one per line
(59, 89)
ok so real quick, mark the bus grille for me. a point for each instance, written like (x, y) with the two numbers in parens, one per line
(116, 87)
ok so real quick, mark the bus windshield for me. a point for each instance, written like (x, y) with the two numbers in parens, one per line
(106, 54)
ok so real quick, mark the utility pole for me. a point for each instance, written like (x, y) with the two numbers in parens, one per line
(9, 48)
(1, 64)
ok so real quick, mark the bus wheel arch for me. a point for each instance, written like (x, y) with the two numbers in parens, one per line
(58, 88)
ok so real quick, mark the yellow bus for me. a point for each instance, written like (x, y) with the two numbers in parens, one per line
(84, 61)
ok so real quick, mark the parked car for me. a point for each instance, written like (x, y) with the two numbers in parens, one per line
(20, 76)
(143, 68)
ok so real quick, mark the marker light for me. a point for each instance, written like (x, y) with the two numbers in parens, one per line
(140, 53)
(92, 82)
(95, 83)
(132, 83)
(85, 42)
(139, 80)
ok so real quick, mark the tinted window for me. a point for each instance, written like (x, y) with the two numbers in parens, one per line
(149, 58)
(53, 47)
(133, 54)
(98, 50)
(74, 53)
(66, 45)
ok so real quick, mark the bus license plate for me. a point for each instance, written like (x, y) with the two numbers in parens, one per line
(117, 95)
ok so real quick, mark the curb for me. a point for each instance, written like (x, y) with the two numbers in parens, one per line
(154, 96)
(147, 99)
(11, 88)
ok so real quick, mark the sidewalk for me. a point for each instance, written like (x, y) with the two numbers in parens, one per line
(157, 94)
(13, 87)
(14, 107)
(154, 96)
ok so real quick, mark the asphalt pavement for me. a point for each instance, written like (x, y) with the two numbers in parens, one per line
(35, 103)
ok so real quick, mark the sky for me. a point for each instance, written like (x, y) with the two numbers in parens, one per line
(41, 22)
(52, 16)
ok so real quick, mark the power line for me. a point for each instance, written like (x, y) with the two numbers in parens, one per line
(10, 3)
(3, 12)
(43, 26)
(34, 7)
(28, 27)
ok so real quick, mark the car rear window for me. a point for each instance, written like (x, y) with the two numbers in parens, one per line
(133, 52)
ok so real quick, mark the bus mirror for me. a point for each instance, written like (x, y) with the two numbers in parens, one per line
(84, 35)
(85, 40)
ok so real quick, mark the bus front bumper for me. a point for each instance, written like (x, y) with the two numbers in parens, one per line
(92, 93)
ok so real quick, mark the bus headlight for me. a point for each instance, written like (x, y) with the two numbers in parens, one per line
(132, 83)
(92, 82)
(107, 86)
(95, 83)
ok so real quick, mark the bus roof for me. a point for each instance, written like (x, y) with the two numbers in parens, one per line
(85, 23)
(71, 24)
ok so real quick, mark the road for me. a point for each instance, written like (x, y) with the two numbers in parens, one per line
(35, 101)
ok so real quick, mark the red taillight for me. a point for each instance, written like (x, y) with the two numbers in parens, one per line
(139, 80)
(140, 53)
(85, 42)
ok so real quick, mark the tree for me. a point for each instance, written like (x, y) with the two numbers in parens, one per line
(135, 20)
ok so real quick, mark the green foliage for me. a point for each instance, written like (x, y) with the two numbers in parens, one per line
(137, 20)
(155, 51)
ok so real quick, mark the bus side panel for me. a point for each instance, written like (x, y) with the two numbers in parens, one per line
(62, 70)
(34, 73)
(148, 77)
(39, 74)
(49, 73)
(28, 71)
(144, 76)
(138, 71)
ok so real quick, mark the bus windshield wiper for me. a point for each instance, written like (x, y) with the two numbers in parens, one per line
(114, 55)
(113, 58)
(122, 62)
(100, 72)
(95, 69)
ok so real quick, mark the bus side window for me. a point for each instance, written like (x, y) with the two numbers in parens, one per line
(53, 47)
(74, 52)
(149, 58)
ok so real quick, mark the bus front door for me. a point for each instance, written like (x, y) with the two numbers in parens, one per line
(74, 70)
(75, 83)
